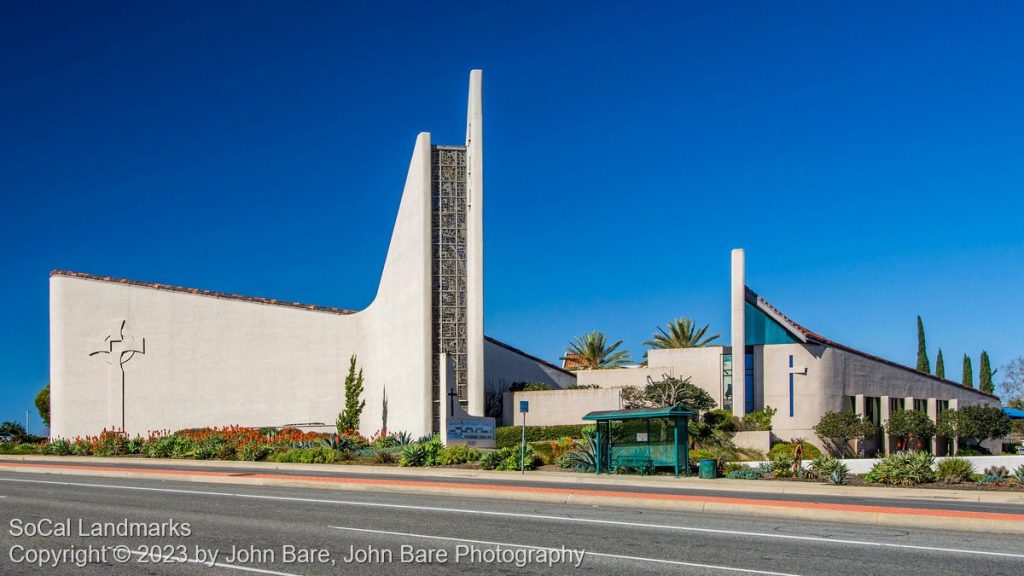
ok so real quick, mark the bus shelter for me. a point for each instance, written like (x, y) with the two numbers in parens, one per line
(643, 439)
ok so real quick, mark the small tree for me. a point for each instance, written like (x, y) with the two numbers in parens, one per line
(940, 366)
(985, 377)
(922, 352)
(968, 377)
(974, 424)
(669, 391)
(836, 429)
(1012, 387)
(43, 404)
(348, 420)
(909, 425)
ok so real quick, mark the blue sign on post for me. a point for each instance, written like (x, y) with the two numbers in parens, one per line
(524, 405)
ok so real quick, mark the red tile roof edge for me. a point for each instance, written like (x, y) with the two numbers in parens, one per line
(197, 291)
(814, 336)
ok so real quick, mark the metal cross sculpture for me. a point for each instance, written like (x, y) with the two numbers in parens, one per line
(118, 348)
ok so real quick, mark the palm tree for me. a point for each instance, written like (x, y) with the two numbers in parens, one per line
(591, 351)
(682, 333)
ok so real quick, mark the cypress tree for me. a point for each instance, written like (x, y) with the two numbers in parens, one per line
(985, 378)
(940, 366)
(968, 378)
(923, 365)
(348, 420)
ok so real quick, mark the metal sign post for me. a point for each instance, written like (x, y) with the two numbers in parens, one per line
(524, 407)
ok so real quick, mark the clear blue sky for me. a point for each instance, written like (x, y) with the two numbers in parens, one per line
(869, 158)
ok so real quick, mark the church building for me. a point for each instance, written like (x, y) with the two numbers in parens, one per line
(142, 357)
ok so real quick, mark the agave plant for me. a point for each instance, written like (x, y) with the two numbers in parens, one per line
(1019, 473)
(838, 474)
(402, 438)
(584, 457)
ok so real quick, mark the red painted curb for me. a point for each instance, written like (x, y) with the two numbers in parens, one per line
(546, 490)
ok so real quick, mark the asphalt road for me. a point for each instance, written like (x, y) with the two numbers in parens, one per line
(512, 480)
(276, 525)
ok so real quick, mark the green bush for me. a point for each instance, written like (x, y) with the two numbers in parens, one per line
(788, 448)
(319, 455)
(829, 468)
(954, 470)
(451, 455)
(903, 469)
(213, 447)
(112, 444)
(511, 435)
(836, 429)
(782, 466)
(172, 446)
(910, 425)
(254, 451)
(425, 453)
(58, 447)
(508, 458)
(759, 420)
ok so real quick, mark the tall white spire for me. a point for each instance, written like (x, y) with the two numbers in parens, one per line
(475, 245)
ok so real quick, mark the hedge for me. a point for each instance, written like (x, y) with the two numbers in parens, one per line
(512, 435)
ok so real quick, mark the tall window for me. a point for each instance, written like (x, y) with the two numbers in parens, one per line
(748, 382)
(873, 410)
(896, 405)
(850, 404)
(920, 405)
(727, 381)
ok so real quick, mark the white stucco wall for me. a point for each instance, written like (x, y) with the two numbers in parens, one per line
(703, 366)
(216, 361)
(550, 407)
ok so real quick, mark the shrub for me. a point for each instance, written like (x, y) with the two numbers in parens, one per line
(213, 446)
(838, 475)
(759, 420)
(512, 435)
(907, 425)
(254, 451)
(425, 453)
(903, 469)
(111, 443)
(974, 424)
(788, 448)
(836, 429)
(508, 458)
(823, 465)
(81, 447)
(58, 447)
(318, 455)
(954, 470)
(172, 446)
(451, 455)
(782, 466)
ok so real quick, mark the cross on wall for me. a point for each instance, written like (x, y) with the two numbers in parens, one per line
(117, 348)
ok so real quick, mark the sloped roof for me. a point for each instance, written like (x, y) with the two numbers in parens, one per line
(524, 354)
(197, 291)
(805, 335)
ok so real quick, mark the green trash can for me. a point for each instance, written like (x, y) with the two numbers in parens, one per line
(707, 469)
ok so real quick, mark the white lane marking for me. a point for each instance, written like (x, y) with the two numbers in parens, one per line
(586, 552)
(822, 539)
(228, 566)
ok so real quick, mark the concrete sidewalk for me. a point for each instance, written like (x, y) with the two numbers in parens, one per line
(746, 487)
(747, 497)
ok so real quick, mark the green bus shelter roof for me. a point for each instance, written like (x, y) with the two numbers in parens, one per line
(639, 414)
